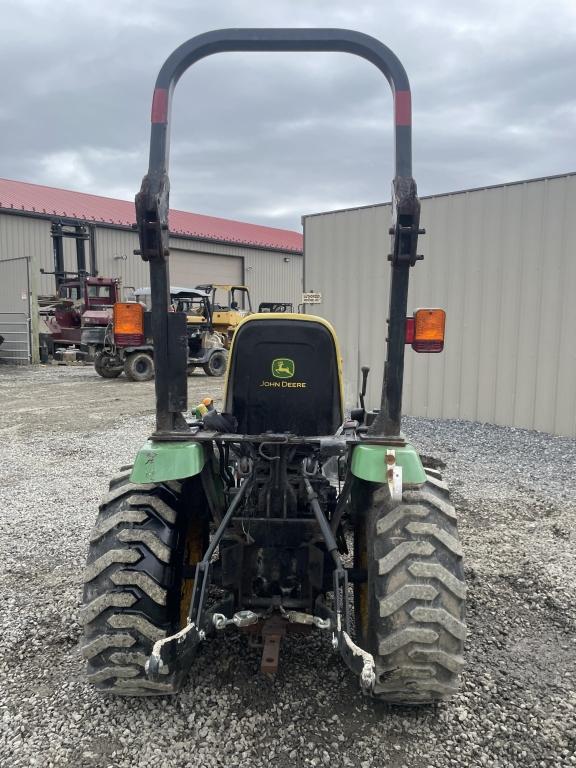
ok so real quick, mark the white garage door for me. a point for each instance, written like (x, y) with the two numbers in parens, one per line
(190, 268)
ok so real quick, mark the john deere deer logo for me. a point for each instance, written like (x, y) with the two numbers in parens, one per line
(283, 368)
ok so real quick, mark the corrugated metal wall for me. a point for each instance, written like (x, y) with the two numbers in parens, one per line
(278, 279)
(24, 236)
(501, 261)
(270, 275)
(266, 273)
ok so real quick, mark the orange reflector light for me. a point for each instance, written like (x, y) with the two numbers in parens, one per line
(128, 318)
(429, 330)
(129, 323)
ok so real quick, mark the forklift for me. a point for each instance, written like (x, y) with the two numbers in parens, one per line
(77, 315)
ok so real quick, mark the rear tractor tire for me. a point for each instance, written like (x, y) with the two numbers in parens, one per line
(137, 586)
(139, 366)
(410, 612)
(105, 366)
(216, 365)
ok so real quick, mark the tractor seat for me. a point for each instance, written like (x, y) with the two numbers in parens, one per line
(284, 376)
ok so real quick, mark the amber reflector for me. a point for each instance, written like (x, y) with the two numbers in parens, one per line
(128, 318)
(429, 327)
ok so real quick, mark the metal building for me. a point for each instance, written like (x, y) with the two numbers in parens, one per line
(203, 249)
(502, 261)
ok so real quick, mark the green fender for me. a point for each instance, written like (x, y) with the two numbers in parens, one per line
(157, 462)
(369, 463)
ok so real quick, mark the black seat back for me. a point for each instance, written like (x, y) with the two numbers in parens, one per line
(284, 376)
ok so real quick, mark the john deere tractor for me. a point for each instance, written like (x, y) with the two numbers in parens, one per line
(242, 521)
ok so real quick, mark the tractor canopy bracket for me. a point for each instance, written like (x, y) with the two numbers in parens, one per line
(152, 217)
(405, 223)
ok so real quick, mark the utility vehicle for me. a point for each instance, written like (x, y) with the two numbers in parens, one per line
(128, 345)
(275, 306)
(230, 304)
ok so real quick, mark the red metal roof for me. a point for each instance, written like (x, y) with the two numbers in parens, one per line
(34, 198)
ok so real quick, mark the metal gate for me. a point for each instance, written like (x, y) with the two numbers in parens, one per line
(15, 311)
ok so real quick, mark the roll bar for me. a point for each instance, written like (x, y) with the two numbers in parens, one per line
(152, 205)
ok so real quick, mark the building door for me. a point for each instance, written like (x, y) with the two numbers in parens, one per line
(15, 311)
(190, 268)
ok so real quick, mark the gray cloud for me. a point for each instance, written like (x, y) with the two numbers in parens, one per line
(269, 137)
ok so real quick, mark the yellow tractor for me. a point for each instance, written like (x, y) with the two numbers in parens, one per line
(230, 305)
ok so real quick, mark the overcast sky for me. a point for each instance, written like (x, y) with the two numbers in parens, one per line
(269, 137)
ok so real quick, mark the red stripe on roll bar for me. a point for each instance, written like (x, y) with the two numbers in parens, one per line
(403, 108)
(160, 106)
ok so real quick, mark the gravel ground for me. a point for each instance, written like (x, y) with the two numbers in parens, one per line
(515, 491)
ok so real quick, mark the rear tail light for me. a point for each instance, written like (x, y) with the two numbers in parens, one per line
(409, 330)
(425, 331)
(128, 324)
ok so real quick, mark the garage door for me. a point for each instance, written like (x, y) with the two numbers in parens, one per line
(190, 268)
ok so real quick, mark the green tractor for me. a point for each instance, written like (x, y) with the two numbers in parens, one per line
(282, 513)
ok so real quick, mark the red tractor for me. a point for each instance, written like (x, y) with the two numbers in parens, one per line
(78, 315)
